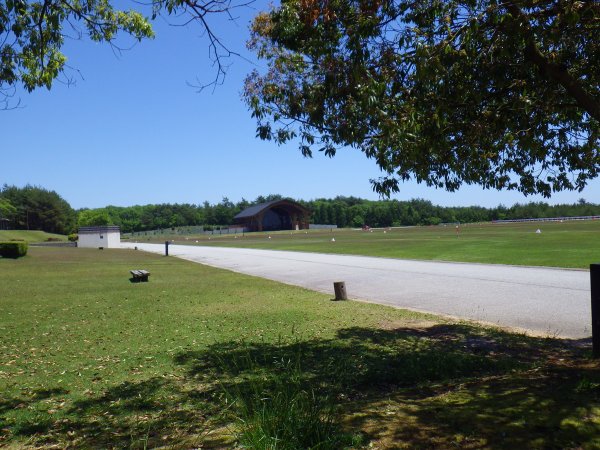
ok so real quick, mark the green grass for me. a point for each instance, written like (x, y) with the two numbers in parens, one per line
(282, 410)
(89, 359)
(569, 244)
(29, 236)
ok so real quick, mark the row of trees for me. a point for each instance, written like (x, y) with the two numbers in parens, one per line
(351, 212)
(341, 211)
(36, 208)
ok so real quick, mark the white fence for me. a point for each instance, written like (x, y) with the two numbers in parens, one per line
(318, 226)
(548, 219)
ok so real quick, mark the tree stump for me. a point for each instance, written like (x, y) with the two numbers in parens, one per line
(339, 287)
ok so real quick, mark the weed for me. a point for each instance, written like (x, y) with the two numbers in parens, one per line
(587, 386)
(279, 409)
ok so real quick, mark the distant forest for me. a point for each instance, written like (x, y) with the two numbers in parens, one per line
(36, 208)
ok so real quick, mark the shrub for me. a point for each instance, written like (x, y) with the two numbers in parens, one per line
(72, 237)
(13, 249)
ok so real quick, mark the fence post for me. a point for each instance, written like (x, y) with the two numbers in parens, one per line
(166, 248)
(595, 289)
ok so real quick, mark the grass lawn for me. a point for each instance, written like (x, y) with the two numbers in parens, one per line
(90, 360)
(573, 244)
(29, 236)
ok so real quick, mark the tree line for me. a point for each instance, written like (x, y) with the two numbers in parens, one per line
(341, 211)
(36, 208)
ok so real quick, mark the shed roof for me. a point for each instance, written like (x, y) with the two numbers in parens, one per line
(99, 229)
(256, 209)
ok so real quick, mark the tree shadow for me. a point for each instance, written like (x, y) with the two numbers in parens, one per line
(365, 358)
(145, 414)
(543, 409)
(446, 385)
(439, 386)
(38, 423)
(10, 403)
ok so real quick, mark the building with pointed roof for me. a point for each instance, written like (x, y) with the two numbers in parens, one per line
(273, 216)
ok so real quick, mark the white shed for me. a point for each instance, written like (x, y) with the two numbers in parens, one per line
(102, 236)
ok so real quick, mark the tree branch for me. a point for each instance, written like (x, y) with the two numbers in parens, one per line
(554, 71)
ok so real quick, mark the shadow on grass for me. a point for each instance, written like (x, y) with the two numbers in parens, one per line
(145, 414)
(543, 409)
(441, 386)
(7, 404)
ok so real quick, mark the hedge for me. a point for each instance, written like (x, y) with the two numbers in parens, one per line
(13, 249)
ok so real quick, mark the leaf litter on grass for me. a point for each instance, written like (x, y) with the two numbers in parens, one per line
(103, 363)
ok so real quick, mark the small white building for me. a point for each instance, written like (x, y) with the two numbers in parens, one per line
(102, 236)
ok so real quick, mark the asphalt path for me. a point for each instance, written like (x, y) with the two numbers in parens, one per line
(543, 301)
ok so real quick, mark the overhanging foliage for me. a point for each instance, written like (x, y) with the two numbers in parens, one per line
(504, 94)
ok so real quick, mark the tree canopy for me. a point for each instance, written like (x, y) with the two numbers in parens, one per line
(36, 208)
(504, 94)
(32, 33)
(7, 210)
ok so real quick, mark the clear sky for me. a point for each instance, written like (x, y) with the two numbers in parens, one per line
(133, 131)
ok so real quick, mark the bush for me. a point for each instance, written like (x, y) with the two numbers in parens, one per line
(73, 237)
(13, 249)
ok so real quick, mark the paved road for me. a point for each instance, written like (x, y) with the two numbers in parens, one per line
(544, 301)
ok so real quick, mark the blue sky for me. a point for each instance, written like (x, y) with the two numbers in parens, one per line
(133, 131)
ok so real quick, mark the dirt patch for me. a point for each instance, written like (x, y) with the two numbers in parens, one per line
(417, 325)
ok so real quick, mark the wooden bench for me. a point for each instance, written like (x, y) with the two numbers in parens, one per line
(140, 275)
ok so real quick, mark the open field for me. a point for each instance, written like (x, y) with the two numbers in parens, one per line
(573, 244)
(546, 301)
(88, 359)
(29, 236)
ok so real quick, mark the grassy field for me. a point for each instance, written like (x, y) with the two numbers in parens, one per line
(573, 244)
(29, 236)
(89, 359)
